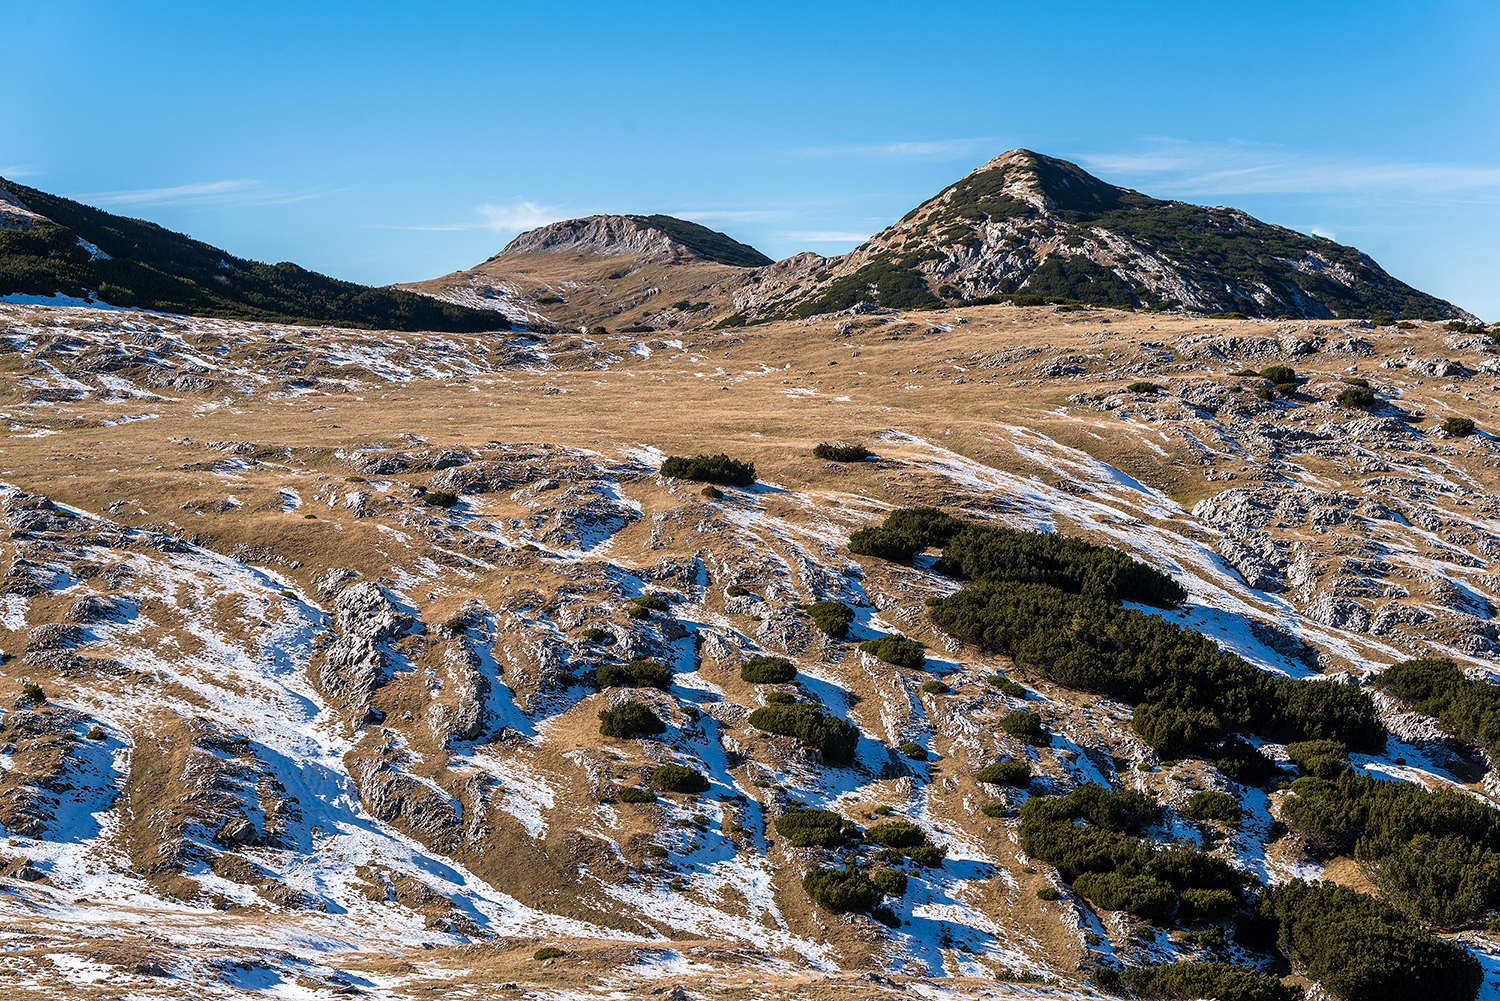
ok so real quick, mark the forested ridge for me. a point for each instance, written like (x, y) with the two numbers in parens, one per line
(153, 268)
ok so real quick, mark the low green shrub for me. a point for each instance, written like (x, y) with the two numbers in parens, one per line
(548, 952)
(1356, 381)
(1286, 389)
(1026, 726)
(835, 738)
(906, 532)
(841, 890)
(1238, 759)
(712, 492)
(1278, 374)
(1048, 893)
(636, 674)
(593, 634)
(897, 650)
(833, 617)
(1265, 393)
(1232, 315)
(736, 590)
(637, 612)
(710, 469)
(656, 851)
(1007, 686)
(1458, 427)
(840, 452)
(766, 670)
(1144, 388)
(1175, 730)
(1206, 804)
(1224, 981)
(679, 778)
(1325, 759)
(1006, 773)
(936, 687)
(780, 699)
(1355, 396)
(892, 882)
(995, 810)
(1383, 320)
(440, 498)
(630, 719)
(96, 733)
(807, 828)
(652, 601)
(32, 692)
(635, 794)
(913, 750)
(897, 834)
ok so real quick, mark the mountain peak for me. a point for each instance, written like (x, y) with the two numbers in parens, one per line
(658, 238)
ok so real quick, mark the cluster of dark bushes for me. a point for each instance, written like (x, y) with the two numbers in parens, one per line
(635, 794)
(1006, 773)
(833, 617)
(1224, 981)
(1188, 692)
(897, 650)
(710, 469)
(766, 670)
(679, 778)
(636, 674)
(1119, 871)
(908, 839)
(1026, 726)
(808, 828)
(630, 719)
(1458, 427)
(842, 890)
(837, 452)
(1356, 396)
(1469, 710)
(994, 554)
(1359, 947)
(1435, 853)
(834, 737)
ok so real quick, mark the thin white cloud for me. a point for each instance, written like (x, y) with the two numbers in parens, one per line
(231, 192)
(1235, 168)
(16, 170)
(940, 149)
(826, 236)
(163, 196)
(511, 218)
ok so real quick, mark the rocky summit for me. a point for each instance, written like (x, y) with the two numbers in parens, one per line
(995, 650)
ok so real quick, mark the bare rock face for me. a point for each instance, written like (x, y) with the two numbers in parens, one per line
(96, 608)
(1341, 613)
(784, 630)
(54, 636)
(401, 799)
(333, 580)
(356, 664)
(462, 717)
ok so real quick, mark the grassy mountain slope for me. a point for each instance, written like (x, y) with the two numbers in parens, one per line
(715, 246)
(141, 264)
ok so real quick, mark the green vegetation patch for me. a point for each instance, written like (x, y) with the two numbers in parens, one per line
(636, 674)
(635, 794)
(834, 737)
(766, 670)
(630, 719)
(1006, 773)
(811, 828)
(841, 890)
(1224, 981)
(840, 452)
(679, 778)
(897, 650)
(1360, 947)
(833, 617)
(1192, 689)
(710, 469)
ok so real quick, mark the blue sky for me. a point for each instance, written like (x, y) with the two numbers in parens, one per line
(385, 142)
